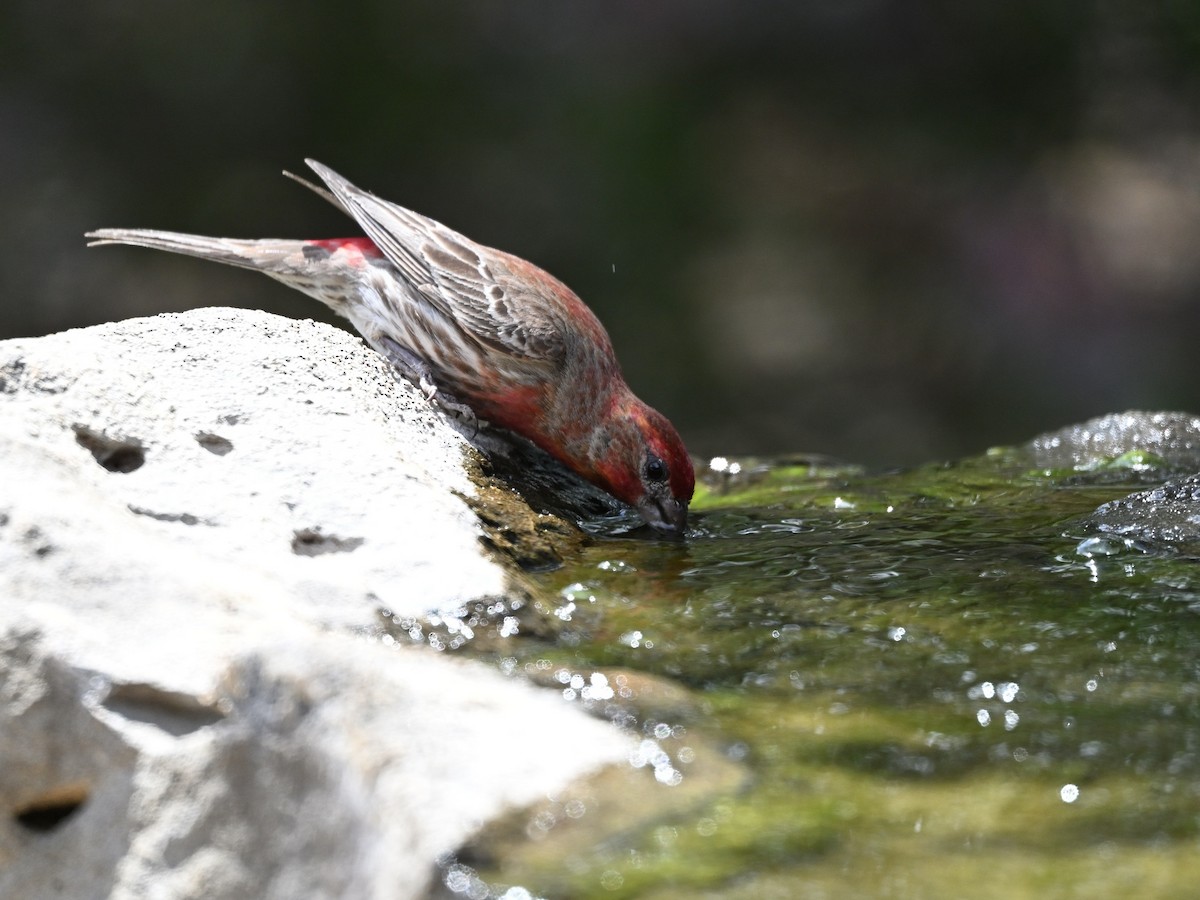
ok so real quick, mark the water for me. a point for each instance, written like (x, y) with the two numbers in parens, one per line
(925, 684)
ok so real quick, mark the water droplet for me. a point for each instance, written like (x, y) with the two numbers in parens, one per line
(1097, 546)
(598, 689)
(575, 809)
(612, 880)
(668, 775)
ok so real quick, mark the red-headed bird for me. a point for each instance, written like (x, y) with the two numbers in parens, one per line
(496, 333)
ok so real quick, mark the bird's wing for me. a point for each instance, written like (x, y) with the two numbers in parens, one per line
(451, 272)
(317, 189)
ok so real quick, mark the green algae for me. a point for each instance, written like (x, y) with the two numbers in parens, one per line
(932, 684)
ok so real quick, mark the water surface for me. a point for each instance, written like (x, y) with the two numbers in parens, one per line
(934, 683)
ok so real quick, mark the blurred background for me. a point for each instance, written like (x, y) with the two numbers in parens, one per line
(882, 230)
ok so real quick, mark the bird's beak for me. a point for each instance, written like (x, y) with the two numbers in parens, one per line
(666, 514)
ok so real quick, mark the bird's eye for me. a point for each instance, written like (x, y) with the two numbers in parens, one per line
(655, 469)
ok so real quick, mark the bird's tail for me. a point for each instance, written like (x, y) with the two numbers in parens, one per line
(325, 270)
(278, 257)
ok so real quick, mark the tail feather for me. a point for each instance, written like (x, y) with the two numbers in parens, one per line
(277, 256)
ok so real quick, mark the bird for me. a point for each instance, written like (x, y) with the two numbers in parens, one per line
(481, 331)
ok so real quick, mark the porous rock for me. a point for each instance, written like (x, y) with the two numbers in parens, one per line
(200, 517)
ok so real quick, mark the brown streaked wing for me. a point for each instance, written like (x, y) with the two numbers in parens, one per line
(450, 271)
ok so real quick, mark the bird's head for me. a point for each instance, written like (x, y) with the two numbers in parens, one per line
(638, 456)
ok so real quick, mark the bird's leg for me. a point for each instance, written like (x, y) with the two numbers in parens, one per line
(417, 370)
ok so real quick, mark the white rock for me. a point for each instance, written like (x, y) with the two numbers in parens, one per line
(200, 517)
(255, 429)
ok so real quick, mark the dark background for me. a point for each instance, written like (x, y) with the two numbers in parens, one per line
(889, 231)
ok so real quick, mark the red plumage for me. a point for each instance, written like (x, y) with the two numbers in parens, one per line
(495, 332)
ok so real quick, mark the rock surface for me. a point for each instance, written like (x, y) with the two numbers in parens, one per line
(1165, 517)
(200, 518)
(1155, 446)
(1173, 437)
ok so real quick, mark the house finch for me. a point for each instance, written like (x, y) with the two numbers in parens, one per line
(490, 330)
